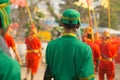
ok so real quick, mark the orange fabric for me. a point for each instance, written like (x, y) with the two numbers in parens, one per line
(32, 62)
(89, 30)
(108, 49)
(116, 42)
(95, 51)
(106, 33)
(98, 41)
(9, 40)
(32, 59)
(107, 67)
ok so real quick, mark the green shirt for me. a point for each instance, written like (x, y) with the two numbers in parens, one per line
(68, 58)
(9, 68)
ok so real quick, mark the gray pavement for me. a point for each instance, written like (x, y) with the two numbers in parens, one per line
(38, 76)
(42, 67)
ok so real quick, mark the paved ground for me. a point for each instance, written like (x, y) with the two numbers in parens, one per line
(40, 74)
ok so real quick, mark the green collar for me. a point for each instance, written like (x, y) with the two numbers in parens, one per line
(70, 34)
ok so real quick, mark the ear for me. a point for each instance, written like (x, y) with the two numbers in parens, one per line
(77, 26)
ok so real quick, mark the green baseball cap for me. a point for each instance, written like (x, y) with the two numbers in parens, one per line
(3, 1)
(70, 16)
(5, 13)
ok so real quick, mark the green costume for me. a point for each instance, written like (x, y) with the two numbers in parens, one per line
(67, 57)
(9, 68)
(69, 17)
(5, 13)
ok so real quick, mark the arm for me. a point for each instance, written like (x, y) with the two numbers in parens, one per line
(17, 55)
(84, 64)
(15, 50)
(40, 53)
(97, 57)
(40, 50)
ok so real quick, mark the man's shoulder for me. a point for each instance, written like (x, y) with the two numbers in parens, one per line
(81, 43)
(7, 60)
(84, 46)
(8, 36)
(9, 68)
(77, 42)
(55, 41)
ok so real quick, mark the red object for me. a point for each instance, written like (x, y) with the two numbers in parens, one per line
(32, 59)
(116, 42)
(98, 41)
(117, 59)
(20, 3)
(95, 51)
(107, 67)
(9, 40)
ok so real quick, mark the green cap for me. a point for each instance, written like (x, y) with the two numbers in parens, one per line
(3, 1)
(70, 16)
(5, 13)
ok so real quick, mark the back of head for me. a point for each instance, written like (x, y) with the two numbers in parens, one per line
(70, 18)
(97, 35)
(89, 32)
(106, 35)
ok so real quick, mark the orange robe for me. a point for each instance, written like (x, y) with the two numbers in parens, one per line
(95, 51)
(116, 42)
(32, 57)
(9, 40)
(106, 65)
(98, 41)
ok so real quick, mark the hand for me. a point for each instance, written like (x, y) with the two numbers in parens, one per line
(20, 61)
(39, 55)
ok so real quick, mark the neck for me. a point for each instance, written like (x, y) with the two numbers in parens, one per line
(73, 31)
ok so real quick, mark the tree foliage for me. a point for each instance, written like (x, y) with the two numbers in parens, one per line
(114, 10)
(103, 21)
(83, 11)
(20, 15)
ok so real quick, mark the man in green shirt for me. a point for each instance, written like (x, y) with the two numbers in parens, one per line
(9, 68)
(67, 57)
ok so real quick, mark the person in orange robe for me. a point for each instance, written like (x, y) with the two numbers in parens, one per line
(108, 54)
(94, 47)
(116, 42)
(11, 44)
(97, 38)
(33, 54)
